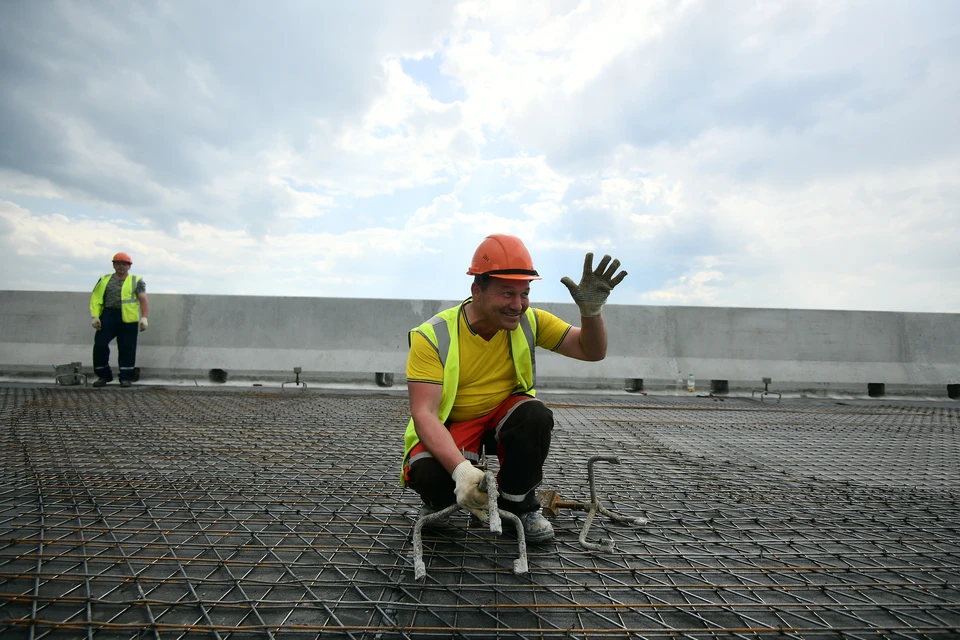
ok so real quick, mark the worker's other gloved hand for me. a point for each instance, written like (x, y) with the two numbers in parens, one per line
(594, 286)
(96, 324)
(469, 495)
(143, 324)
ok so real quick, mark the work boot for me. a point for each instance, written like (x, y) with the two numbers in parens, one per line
(536, 528)
(426, 510)
(100, 382)
(124, 383)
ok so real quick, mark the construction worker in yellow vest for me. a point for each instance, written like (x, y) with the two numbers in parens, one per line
(118, 306)
(471, 382)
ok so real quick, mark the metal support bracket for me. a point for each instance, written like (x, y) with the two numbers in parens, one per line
(766, 391)
(494, 514)
(596, 507)
(298, 382)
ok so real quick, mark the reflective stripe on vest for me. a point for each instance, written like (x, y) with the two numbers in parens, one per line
(531, 338)
(440, 331)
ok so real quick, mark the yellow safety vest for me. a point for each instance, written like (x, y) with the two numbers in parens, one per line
(442, 331)
(129, 304)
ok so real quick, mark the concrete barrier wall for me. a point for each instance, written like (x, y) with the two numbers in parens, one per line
(268, 336)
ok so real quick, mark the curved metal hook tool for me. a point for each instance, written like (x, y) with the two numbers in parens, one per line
(494, 514)
(595, 508)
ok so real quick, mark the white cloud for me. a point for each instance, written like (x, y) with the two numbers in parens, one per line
(795, 154)
(12, 181)
(507, 55)
(692, 289)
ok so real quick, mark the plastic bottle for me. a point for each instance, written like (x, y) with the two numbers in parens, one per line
(691, 384)
(680, 383)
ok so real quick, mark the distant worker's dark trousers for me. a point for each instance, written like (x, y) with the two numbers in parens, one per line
(520, 429)
(113, 326)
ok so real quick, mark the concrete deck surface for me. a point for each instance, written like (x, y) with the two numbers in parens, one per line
(237, 513)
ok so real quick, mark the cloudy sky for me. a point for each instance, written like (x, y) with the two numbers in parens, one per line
(730, 153)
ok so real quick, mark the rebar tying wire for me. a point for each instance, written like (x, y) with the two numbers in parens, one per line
(233, 514)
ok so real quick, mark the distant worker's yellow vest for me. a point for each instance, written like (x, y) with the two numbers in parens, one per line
(442, 331)
(129, 304)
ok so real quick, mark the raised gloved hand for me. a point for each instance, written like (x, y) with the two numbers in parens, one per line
(594, 286)
(469, 495)
(96, 324)
(143, 324)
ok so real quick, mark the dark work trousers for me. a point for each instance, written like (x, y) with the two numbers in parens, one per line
(113, 326)
(522, 446)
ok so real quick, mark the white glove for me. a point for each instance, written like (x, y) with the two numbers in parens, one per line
(96, 324)
(469, 495)
(143, 324)
(594, 286)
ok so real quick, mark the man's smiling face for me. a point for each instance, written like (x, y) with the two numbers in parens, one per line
(503, 302)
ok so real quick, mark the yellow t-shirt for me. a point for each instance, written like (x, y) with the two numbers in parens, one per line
(487, 374)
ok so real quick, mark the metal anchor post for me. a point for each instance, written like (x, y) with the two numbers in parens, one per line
(596, 507)
(299, 383)
(766, 391)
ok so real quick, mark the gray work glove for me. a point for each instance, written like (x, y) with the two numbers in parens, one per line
(469, 495)
(594, 286)
(143, 324)
(96, 324)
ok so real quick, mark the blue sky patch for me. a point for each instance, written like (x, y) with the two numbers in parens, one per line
(427, 72)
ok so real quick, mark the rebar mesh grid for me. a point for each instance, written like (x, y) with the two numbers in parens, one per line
(231, 514)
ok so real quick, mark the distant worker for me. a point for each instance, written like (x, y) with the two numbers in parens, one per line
(119, 308)
(471, 378)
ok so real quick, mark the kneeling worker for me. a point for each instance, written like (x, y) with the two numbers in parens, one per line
(470, 375)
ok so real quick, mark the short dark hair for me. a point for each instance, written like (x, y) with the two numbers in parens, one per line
(482, 281)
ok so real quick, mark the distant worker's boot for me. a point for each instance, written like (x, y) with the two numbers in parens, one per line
(124, 383)
(100, 382)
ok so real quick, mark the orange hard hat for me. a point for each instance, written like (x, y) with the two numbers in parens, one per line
(503, 256)
(123, 257)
